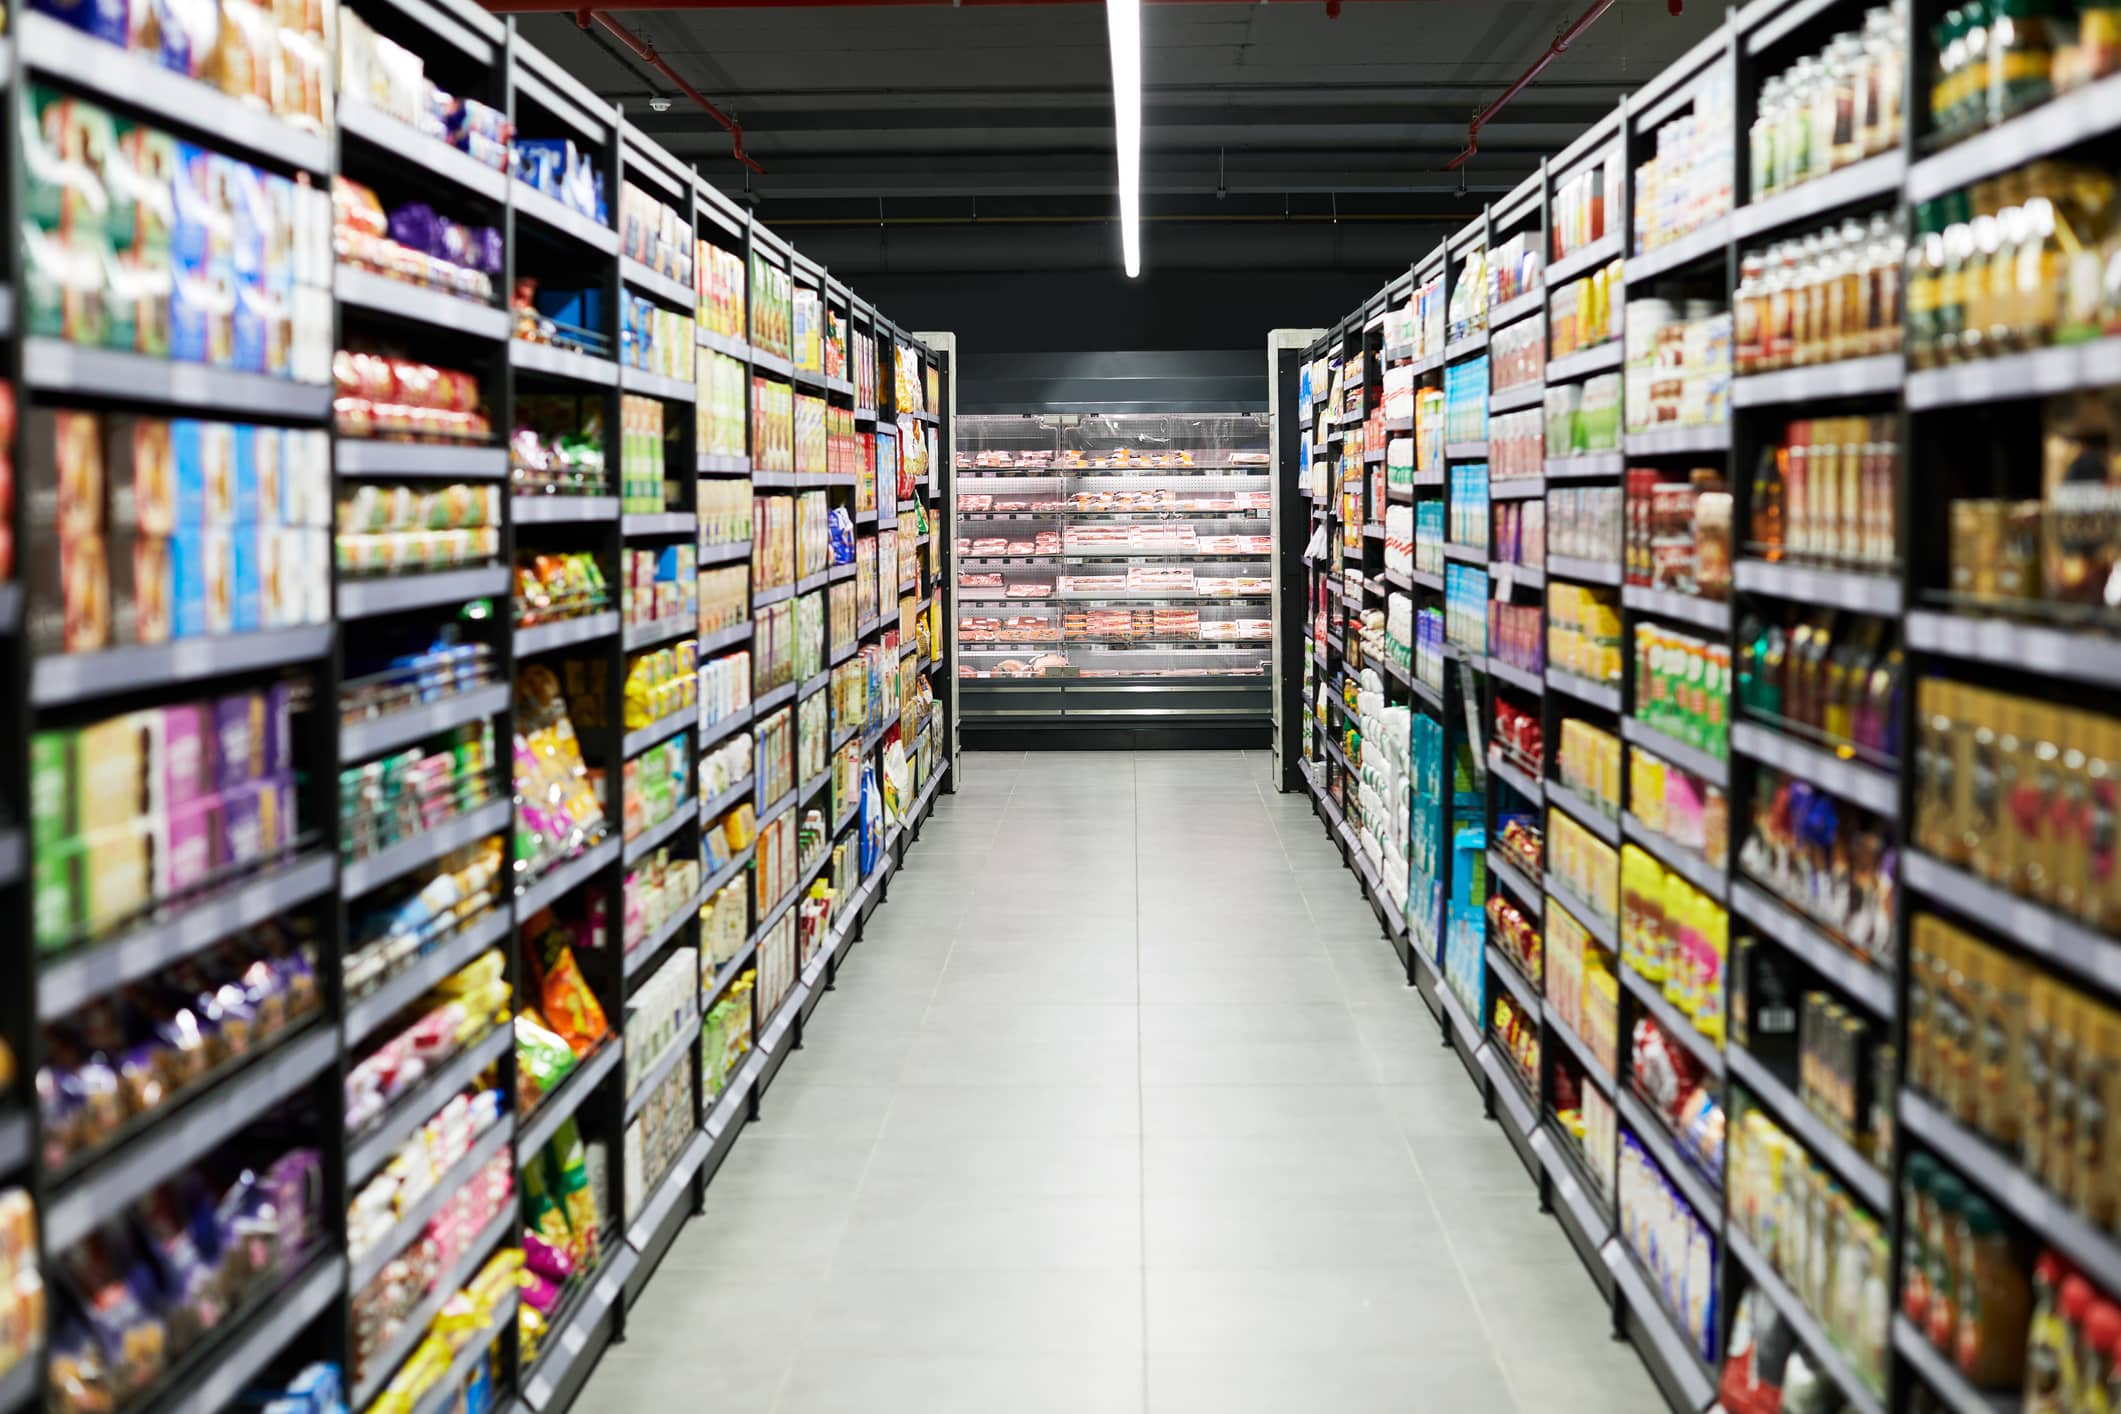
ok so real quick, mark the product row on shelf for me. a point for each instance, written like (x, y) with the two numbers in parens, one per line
(1114, 574)
(1707, 668)
(385, 393)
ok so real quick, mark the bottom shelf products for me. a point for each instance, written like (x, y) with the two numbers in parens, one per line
(1833, 1254)
(382, 1307)
(1671, 1243)
(725, 1037)
(566, 1201)
(234, 1228)
(471, 1318)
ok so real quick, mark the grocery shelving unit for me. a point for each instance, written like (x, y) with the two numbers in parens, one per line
(1136, 501)
(294, 1082)
(1903, 589)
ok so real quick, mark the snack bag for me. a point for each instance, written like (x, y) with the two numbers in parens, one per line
(546, 1220)
(543, 1060)
(571, 1006)
(572, 1167)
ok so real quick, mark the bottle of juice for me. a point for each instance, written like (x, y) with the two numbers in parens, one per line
(2076, 1303)
(1916, 1184)
(2102, 1344)
(1994, 1302)
(1940, 1248)
(2047, 1356)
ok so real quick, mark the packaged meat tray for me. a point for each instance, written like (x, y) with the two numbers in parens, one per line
(1091, 585)
(1160, 578)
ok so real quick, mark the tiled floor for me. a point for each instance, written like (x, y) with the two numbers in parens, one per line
(1122, 1105)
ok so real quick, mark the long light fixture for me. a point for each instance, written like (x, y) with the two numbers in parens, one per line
(1123, 29)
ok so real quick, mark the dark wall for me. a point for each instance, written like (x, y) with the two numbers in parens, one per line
(1075, 310)
(1005, 287)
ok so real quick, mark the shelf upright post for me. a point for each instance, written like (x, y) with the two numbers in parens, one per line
(940, 565)
(502, 629)
(18, 976)
(609, 740)
(1292, 529)
(1543, 1082)
(751, 453)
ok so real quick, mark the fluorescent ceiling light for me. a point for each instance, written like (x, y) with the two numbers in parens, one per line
(1123, 28)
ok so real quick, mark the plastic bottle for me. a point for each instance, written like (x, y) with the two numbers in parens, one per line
(1940, 1248)
(1916, 1202)
(1746, 313)
(2102, 1341)
(2021, 57)
(1994, 1301)
(2076, 1303)
(2047, 1356)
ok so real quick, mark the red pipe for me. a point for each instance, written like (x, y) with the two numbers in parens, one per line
(575, 7)
(647, 55)
(1554, 51)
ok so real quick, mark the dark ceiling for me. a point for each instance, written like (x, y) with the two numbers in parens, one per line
(889, 131)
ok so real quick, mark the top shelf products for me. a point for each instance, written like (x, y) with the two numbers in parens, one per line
(1832, 109)
(1687, 184)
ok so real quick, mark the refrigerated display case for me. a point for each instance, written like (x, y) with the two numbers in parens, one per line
(1114, 577)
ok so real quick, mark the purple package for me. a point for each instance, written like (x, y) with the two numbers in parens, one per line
(295, 1187)
(184, 771)
(189, 836)
(242, 831)
(487, 245)
(238, 725)
(453, 242)
(413, 225)
(278, 755)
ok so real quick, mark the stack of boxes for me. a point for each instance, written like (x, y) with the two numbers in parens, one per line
(144, 807)
(143, 530)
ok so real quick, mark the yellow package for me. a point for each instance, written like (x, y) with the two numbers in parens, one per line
(480, 973)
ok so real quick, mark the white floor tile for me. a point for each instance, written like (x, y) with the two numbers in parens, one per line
(1122, 1104)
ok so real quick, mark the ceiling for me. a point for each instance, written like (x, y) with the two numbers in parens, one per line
(902, 127)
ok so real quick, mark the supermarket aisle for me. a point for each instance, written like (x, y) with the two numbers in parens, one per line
(1122, 1106)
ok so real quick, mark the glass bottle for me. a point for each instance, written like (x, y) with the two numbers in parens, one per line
(1925, 256)
(1746, 313)
(1869, 89)
(1810, 309)
(1830, 338)
(1970, 93)
(1951, 278)
(1844, 73)
(1775, 301)
(2021, 58)
(1760, 140)
(1765, 531)
(1803, 122)
(1858, 316)
(2030, 312)
(1950, 45)
(1885, 38)
(2084, 228)
(1978, 333)
(1886, 260)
